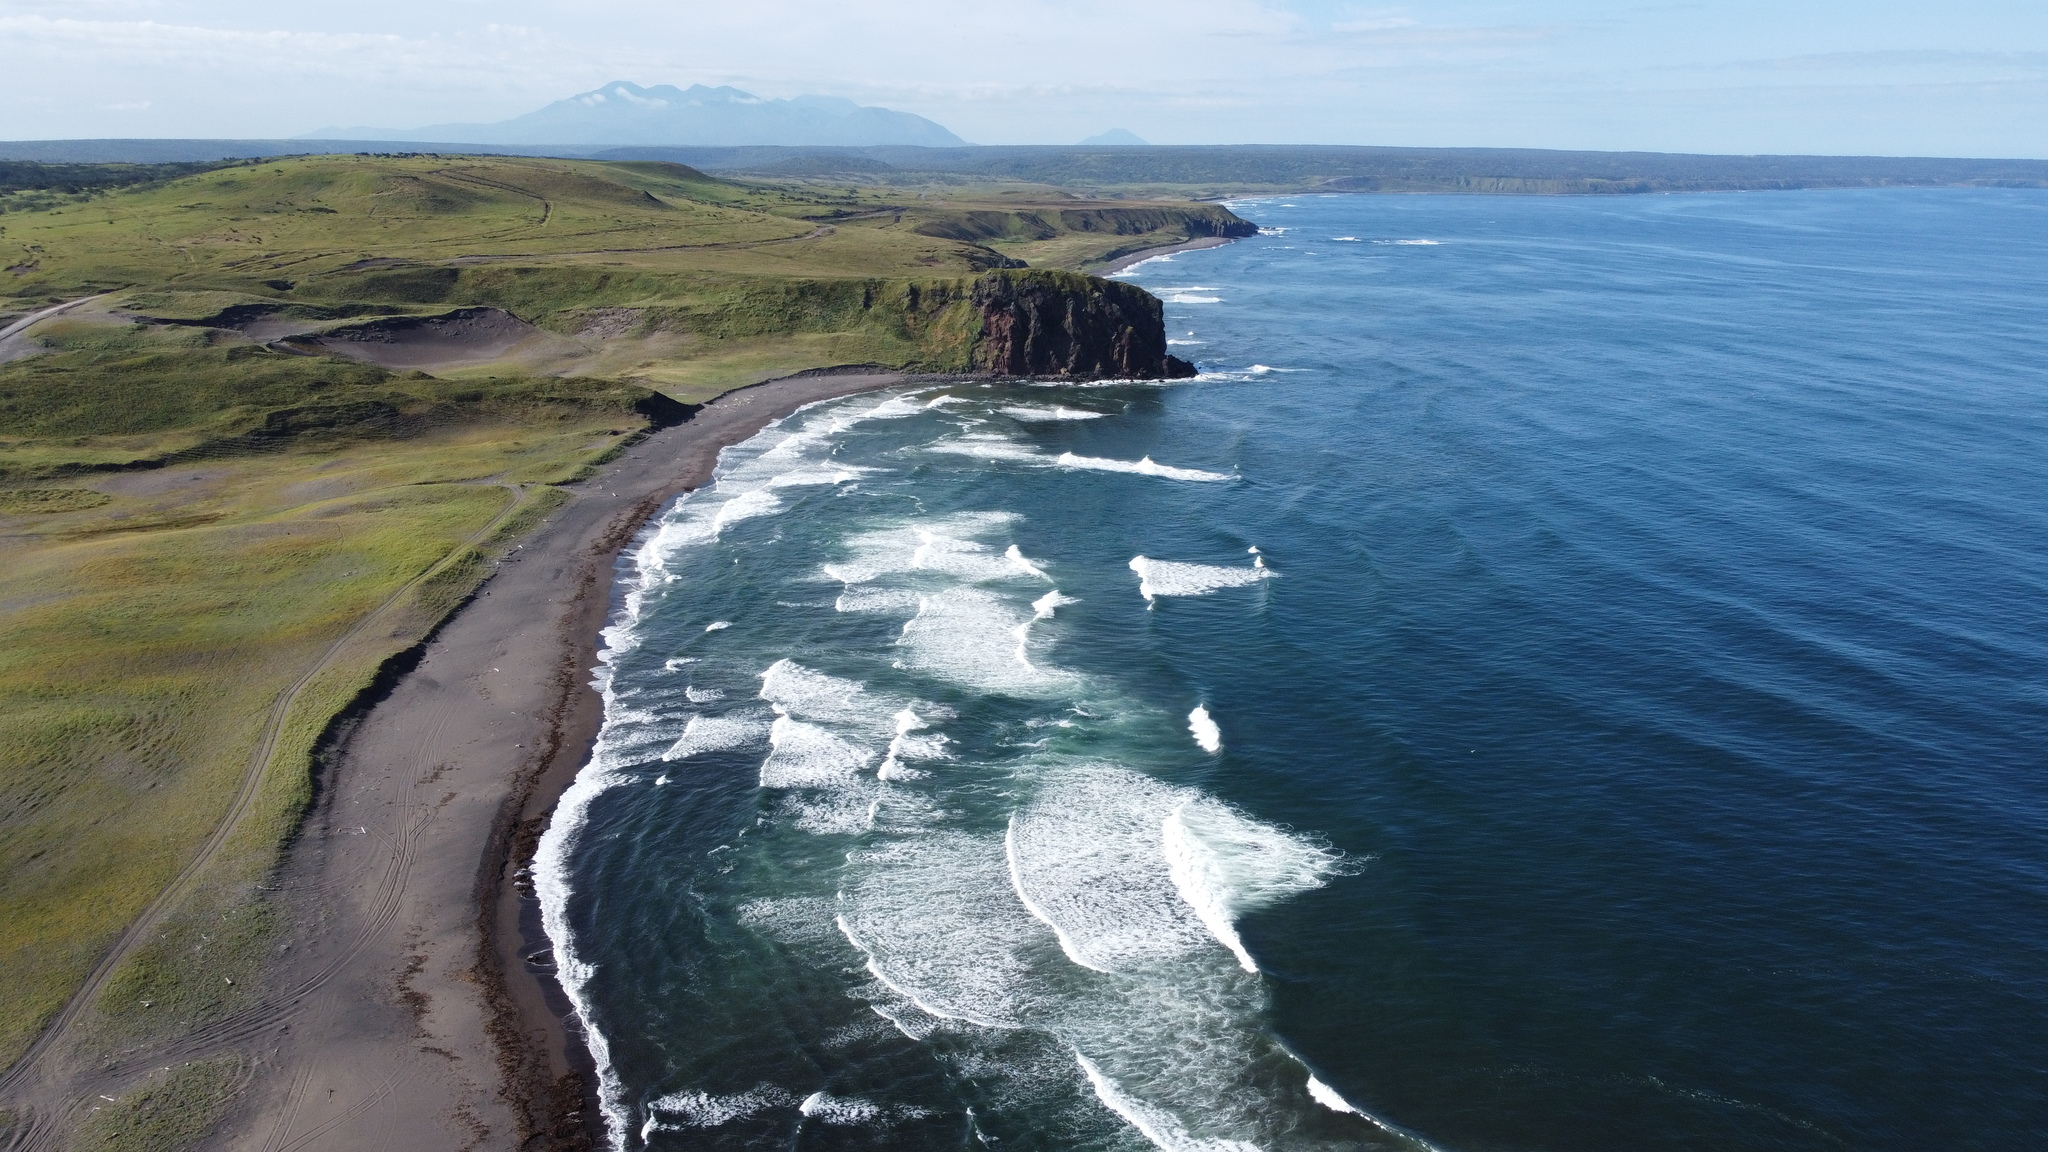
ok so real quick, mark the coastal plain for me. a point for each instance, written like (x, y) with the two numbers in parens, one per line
(263, 428)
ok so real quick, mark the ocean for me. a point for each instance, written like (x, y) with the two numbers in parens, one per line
(1571, 673)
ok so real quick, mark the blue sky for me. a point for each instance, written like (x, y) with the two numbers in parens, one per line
(1967, 77)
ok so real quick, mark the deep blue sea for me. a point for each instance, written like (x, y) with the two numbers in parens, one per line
(1571, 674)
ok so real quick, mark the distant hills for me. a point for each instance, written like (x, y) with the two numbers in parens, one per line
(1160, 169)
(623, 113)
(1115, 137)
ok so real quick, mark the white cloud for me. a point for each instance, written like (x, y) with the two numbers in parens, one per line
(1429, 72)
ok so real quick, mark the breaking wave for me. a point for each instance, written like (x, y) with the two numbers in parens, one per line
(1062, 925)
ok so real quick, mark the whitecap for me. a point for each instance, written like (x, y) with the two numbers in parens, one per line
(985, 446)
(970, 636)
(910, 743)
(1085, 859)
(1018, 561)
(1142, 467)
(1043, 607)
(1159, 1126)
(796, 690)
(1056, 412)
(704, 1110)
(718, 626)
(1158, 578)
(1224, 864)
(719, 733)
(804, 477)
(807, 756)
(698, 695)
(842, 1111)
(1205, 731)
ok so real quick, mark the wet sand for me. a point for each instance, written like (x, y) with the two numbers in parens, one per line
(1139, 257)
(419, 1022)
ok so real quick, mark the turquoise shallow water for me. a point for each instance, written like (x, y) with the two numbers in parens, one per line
(1626, 734)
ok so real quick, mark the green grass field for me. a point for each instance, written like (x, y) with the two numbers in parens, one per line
(197, 509)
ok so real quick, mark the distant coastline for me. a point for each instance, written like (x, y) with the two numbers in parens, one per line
(1205, 170)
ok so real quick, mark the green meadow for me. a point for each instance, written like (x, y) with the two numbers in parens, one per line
(219, 517)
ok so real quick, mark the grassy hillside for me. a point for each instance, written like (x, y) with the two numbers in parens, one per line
(308, 403)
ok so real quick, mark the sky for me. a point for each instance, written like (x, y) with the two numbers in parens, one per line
(1956, 78)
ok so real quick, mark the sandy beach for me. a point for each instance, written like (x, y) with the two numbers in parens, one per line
(1122, 263)
(410, 1017)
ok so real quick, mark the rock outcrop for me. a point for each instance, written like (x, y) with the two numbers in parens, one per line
(1037, 322)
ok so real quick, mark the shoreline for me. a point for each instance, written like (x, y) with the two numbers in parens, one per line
(511, 937)
(417, 1019)
(1129, 260)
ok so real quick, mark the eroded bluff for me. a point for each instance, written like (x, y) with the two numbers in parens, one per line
(1038, 322)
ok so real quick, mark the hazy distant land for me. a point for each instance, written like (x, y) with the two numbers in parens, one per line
(1205, 171)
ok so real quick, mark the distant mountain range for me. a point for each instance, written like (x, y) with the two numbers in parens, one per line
(1116, 137)
(626, 113)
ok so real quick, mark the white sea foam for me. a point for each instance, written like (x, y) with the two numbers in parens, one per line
(936, 921)
(1056, 412)
(1167, 258)
(792, 919)
(1174, 342)
(719, 733)
(552, 887)
(1430, 243)
(1143, 467)
(867, 598)
(698, 695)
(1329, 1098)
(1043, 607)
(795, 690)
(803, 477)
(843, 1111)
(1205, 731)
(911, 744)
(1158, 578)
(1224, 864)
(946, 546)
(718, 626)
(1159, 1126)
(1085, 859)
(1017, 560)
(808, 756)
(985, 446)
(704, 1110)
(1187, 298)
(970, 636)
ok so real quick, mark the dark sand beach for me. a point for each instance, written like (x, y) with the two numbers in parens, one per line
(412, 1019)
(1122, 263)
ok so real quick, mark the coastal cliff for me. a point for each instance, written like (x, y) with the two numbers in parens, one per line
(1036, 322)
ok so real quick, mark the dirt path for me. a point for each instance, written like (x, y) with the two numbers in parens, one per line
(12, 349)
(54, 1093)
